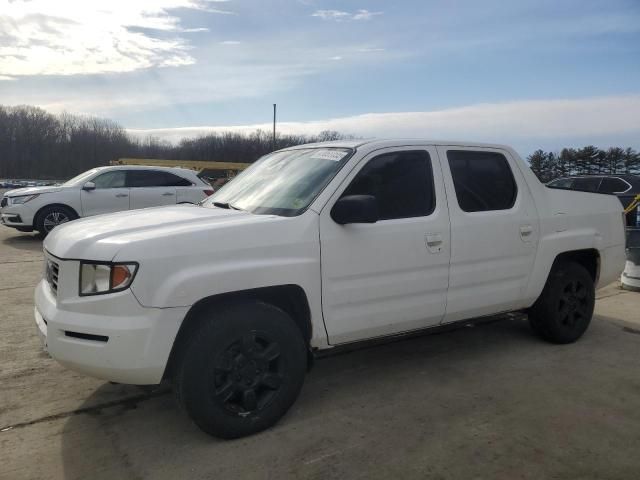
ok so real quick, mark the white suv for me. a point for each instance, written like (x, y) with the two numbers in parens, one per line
(97, 191)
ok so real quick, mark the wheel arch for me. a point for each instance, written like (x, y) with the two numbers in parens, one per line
(36, 216)
(589, 258)
(290, 298)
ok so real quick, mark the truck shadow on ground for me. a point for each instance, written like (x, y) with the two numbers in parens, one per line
(24, 241)
(437, 398)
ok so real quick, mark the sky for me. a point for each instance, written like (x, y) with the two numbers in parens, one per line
(530, 73)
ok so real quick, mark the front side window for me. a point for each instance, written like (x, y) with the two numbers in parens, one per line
(282, 183)
(561, 183)
(483, 180)
(113, 179)
(402, 183)
(80, 179)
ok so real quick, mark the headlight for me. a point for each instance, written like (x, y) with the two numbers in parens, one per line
(23, 199)
(103, 277)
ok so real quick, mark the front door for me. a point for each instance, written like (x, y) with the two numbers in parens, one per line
(390, 276)
(110, 194)
(494, 231)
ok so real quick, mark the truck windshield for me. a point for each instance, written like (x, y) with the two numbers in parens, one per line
(282, 183)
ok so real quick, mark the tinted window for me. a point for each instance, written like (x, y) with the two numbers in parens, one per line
(613, 185)
(562, 183)
(402, 182)
(176, 181)
(113, 179)
(483, 180)
(155, 178)
(586, 184)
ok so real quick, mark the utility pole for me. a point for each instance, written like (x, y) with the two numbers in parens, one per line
(274, 127)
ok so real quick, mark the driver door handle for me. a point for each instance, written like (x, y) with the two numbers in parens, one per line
(167, 194)
(121, 195)
(433, 242)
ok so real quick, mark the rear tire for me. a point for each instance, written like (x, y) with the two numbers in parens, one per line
(50, 217)
(563, 311)
(241, 370)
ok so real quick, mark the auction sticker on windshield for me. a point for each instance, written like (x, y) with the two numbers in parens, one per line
(333, 155)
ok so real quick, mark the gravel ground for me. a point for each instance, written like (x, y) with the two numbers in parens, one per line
(488, 402)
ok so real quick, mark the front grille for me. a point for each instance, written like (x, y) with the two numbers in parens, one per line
(52, 272)
(4, 202)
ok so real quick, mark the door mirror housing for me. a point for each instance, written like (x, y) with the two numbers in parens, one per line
(355, 209)
(89, 186)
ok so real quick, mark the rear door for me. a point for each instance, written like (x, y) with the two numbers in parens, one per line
(494, 231)
(390, 276)
(151, 188)
(110, 195)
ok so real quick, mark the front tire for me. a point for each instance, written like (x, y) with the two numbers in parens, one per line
(241, 370)
(563, 311)
(50, 217)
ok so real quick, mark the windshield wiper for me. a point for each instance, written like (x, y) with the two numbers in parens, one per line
(226, 205)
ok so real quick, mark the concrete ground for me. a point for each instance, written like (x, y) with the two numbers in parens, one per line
(484, 402)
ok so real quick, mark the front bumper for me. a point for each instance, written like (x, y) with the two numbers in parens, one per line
(138, 339)
(17, 216)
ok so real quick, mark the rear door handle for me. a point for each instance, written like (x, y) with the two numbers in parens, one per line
(168, 194)
(121, 195)
(433, 242)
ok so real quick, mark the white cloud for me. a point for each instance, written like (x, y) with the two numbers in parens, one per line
(340, 15)
(517, 122)
(365, 15)
(331, 14)
(5, 78)
(230, 42)
(337, 57)
(44, 37)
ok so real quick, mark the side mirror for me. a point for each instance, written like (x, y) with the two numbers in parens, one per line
(89, 186)
(355, 209)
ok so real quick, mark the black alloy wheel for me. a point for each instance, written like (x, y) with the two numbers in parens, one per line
(248, 374)
(564, 309)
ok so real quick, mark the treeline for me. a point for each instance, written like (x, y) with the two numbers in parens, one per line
(38, 144)
(589, 160)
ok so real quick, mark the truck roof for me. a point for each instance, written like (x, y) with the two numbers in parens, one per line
(374, 144)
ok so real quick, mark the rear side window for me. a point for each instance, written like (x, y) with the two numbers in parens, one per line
(483, 180)
(176, 181)
(613, 185)
(155, 178)
(586, 184)
(402, 182)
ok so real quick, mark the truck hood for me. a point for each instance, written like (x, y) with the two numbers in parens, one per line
(32, 191)
(103, 236)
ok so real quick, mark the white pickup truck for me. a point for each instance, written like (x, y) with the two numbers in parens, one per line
(316, 247)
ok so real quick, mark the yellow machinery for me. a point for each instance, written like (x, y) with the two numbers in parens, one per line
(229, 168)
(634, 203)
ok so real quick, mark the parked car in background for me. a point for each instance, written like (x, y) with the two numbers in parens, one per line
(625, 187)
(97, 191)
(316, 247)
